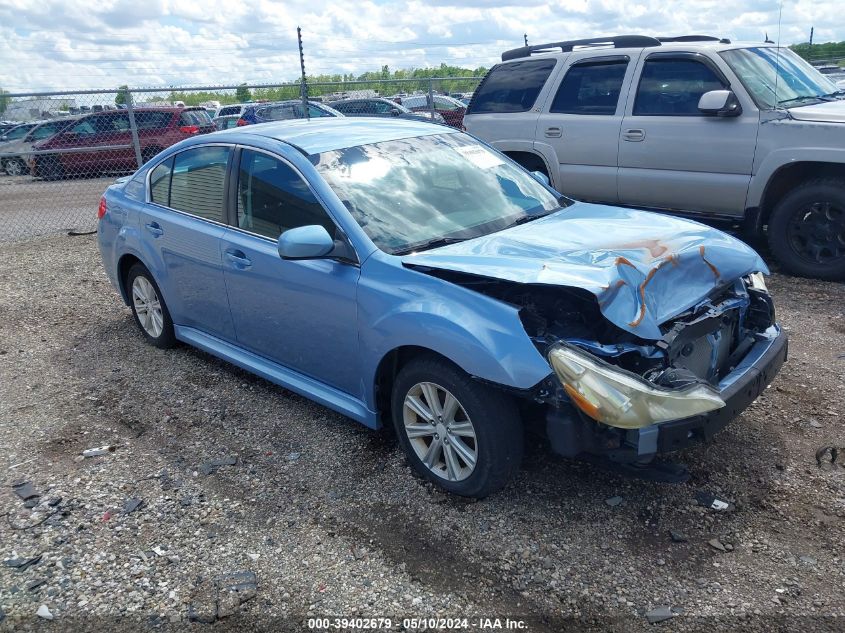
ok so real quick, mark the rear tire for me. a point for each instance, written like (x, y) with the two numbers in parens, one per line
(470, 441)
(148, 308)
(806, 230)
(49, 168)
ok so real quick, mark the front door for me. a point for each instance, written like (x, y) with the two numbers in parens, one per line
(301, 314)
(672, 156)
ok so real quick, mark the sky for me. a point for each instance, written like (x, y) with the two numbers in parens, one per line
(91, 44)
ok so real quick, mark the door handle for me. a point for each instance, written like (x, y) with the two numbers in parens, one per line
(553, 132)
(155, 229)
(237, 258)
(633, 135)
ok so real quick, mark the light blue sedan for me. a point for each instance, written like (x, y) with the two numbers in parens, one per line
(406, 273)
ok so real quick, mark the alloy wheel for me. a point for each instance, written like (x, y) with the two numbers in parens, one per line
(440, 431)
(147, 306)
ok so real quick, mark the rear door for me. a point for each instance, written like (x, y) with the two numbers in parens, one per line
(298, 313)
(580, 124)
(671, 156)
(504, 109)
(182, 225)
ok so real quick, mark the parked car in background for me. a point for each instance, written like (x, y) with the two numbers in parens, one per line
(381, 107)
(283, 111)
(17, 132)
(702, 126)
(404, 273)
(102, 141)
(14, 155)
(233, 109)
(449, 108)
(225, 122)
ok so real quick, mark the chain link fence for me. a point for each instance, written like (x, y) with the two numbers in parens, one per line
(60, 150)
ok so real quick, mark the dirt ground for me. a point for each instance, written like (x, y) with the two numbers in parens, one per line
(332, 523)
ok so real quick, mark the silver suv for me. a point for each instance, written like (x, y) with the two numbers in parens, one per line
(692, 125)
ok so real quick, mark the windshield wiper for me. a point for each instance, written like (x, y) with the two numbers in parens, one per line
(531, 216)
(803, 98)
(435, 243)
(836, 94)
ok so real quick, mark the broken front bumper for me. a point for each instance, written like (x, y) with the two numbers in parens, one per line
(571, 434)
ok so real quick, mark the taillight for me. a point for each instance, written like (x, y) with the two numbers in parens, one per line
(101, 210)
(242, 122)
(190, 129)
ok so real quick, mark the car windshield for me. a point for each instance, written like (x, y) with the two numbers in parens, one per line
(778, 77)
(426, 191)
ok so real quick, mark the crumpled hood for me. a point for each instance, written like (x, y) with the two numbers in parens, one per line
(827, 112)
(644, 268)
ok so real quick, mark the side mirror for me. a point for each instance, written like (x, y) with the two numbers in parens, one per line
(305, 242)
(541, 178)
(721, 103)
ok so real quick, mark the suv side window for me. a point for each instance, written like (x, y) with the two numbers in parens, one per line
(146, 120)
(672, 87)
(511, 87)
(273, 198)
(198, 181)
(84, 128)
(591, 88)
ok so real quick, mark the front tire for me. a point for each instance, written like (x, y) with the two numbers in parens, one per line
(148, 308)
(14, 167)
(807, 229)
(459, 433)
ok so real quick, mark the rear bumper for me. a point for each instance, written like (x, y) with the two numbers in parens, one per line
(571, 435)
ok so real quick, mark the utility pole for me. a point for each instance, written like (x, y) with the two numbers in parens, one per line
(811, 35)
(303, 87)
(525, 37)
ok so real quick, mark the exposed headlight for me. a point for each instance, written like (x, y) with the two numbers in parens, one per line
(758, 282)
(619, 398)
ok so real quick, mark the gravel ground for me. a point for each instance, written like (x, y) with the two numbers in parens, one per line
(328, 517)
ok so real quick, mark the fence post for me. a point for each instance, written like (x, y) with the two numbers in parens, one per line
(136, 142)
(431, 97)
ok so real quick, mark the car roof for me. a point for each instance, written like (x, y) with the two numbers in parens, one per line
(324, 134)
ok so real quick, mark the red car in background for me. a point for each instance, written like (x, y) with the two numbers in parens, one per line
(102, 141)
(448, 107)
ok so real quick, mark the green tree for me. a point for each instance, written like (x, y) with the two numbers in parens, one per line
(4, 100)
(242, 94)
(120, 97)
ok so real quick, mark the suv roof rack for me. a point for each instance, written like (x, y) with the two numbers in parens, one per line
(619, 41)
(695, 38)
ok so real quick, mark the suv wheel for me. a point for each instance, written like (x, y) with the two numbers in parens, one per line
(148, 307)
(457, 432)
(807, 229)
(49, 168)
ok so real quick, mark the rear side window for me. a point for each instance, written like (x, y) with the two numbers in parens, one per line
(591, 88)
(279, 113)
(672, 87)
(194, 117)
(152, 120)
(198, 180)
(511, 87)
(160, 183)
(273, 198)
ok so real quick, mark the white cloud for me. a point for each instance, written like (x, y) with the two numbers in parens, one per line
(63, 44)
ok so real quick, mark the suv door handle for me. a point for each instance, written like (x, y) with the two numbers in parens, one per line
(237, 258)
(553, 132)
(633, 135)
(155, 229)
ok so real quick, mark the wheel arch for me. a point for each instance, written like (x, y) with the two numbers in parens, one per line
(530, 160)
(124, 264)
(789, 176)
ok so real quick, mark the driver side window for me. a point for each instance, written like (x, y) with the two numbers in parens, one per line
(84, 128)
(672, 87)
(273, 198)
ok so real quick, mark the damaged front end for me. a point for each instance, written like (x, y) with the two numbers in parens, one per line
(616, 395)
(630, 399)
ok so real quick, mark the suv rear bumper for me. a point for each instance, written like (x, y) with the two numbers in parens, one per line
(571, 435)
